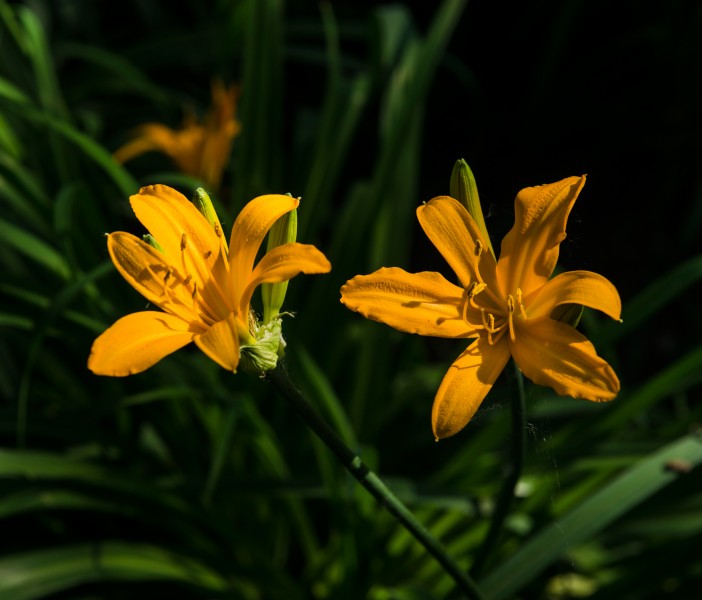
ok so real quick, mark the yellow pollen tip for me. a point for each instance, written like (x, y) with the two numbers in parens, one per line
(217, 230)
(478, 247)
(520, 301)
(183, 242)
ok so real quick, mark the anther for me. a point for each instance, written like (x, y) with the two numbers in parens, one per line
(208, 254)
(217, 230)
(166, 276)
(520, 301)
(183, 242)
(478, 247)
(194, 291)
(187, 280)
(473, 290)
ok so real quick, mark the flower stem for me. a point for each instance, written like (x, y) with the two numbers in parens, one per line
(369, 480)
(504, 501)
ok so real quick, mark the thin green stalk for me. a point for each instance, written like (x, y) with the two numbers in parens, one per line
(504, 501)
(369, 480)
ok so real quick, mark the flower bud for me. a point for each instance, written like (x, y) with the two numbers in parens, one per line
(568, 313)
(151, 241)
(204, 204)
(464, 189)
(284, 231)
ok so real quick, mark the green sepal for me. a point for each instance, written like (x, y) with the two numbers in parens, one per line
(262, 356)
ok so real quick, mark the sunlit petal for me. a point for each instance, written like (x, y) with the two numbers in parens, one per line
(136, 342)
(530, 250)
(249, 229)
(221, 342)
(576, 287)
(151, 274)
(283, 263)
(466, 384)
(423, 303)
(459, 240)
(554, 354)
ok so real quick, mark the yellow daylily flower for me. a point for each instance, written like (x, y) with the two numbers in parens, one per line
(506, 305)
(202, 285)
(199, 148)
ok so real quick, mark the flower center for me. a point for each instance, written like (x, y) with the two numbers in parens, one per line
(497, 316)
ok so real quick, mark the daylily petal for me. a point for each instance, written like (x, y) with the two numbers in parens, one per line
(576, 287)
(466, 384)
(423, 303)
(178, 226)
(249, 229)
(530, 250)
(554, 354)
(455, 234)
(221, 342)
(281, 264)
(151, 274)
(136, 342)
(151, 136)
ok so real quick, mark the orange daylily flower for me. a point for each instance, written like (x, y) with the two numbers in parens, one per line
(202, 285)
(506, 305)
(199, 148)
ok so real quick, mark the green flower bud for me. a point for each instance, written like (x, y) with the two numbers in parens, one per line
(568, 313)
(464, 189)
(204, 204)
(151, 241)
(284, 231)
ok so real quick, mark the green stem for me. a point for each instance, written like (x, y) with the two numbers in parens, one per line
(369, 480)
(504, 501)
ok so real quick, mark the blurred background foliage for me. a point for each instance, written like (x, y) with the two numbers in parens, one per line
(187, 482)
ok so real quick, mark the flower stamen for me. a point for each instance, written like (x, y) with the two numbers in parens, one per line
(520, 301)
(510, 317)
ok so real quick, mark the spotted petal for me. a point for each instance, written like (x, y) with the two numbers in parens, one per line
(466, 384)
(136, 342)
(423, 303)
(530, 250)
(554, 354)
(456, 236)
(151, 274)
(576, 287)
(178, 226)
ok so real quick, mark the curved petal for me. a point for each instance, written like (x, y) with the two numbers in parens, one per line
(180, 229)
(423, 303)
(249, 229)
(466, 384)
(136, 342)
(576, 287)
(281, 264)
(221, 342)
(553, 354)
(151, 136)
(454, 233)
(150, 273)
(530, 250)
